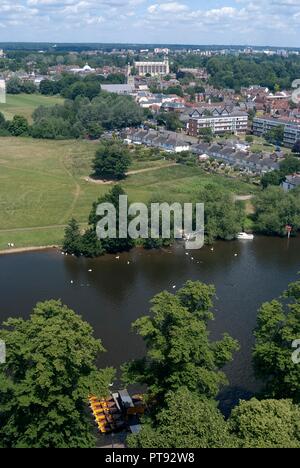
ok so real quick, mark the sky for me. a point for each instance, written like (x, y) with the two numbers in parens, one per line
(253, 22)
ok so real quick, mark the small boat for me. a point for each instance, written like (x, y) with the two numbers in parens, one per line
(245, 236)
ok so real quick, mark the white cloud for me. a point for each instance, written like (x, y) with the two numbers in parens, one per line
(190, 21)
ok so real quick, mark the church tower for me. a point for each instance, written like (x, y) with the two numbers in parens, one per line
(130, 78)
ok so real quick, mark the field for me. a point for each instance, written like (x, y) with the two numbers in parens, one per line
(42, 185)
(25, 104)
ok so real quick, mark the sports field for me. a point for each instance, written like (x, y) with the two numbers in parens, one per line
(42, 185)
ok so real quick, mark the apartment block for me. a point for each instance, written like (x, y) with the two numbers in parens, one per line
(263, 125)
(220, 121)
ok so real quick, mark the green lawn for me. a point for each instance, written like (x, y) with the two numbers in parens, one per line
(42, 185)
(25, 104)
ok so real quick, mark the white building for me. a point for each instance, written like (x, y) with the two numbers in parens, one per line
(83, 71)
(2, 92)
(153, 68)
(220, 121)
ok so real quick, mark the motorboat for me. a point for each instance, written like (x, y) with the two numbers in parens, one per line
(245, 236)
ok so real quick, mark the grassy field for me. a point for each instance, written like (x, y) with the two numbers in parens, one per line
(42, 185)
(25, 104)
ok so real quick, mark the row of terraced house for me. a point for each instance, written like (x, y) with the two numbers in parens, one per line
(243, 160)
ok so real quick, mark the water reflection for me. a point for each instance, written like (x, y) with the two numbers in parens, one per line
(117, 291)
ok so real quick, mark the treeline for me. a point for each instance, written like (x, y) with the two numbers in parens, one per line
(29, 60)
(17, 86)
(78, 118)
(70, 86)
(85, 118)
(224, 217)
(236, 72)
(51, 370)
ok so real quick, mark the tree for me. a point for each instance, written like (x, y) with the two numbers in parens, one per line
(275, 209)
(14, 86)
(2, 120)
(206, 134)
(272, 178)
(111, 161)
(49, 87)
(18, 126)
(290, 165)
(48, 375)
(223, 216)
(179, 352)
(266, 424)
(111, 245)
(90, 245)
(170, 120)
(278, 326)
(275, 135)
(296, 147)
(187, 421)
(72, 239)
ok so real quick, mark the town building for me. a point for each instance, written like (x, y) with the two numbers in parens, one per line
(86, 70)
(291, 182)
(153, 68)
(121, 89)
(262, 125)
(219, 121)
(230, 155)
(170, 142)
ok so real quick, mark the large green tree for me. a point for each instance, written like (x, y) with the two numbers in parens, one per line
(72, 239)
(278, 326)
(49, 372)
(111, 245)
(223, 216)
(266, 424)
(187, 421)
(179, 351)
(111, 161)
(274, 209)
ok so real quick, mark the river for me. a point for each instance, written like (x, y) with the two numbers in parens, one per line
(116, 292)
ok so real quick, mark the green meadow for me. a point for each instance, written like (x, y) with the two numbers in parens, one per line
(43, 184)
(25, 104)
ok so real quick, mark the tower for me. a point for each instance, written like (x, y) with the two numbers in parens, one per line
(167, 64)
(130, 78)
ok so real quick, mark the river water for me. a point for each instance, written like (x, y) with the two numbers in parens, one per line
(117, 292)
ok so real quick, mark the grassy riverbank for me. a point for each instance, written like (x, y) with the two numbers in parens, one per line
(43, 185)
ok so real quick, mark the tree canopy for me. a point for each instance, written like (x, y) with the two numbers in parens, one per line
(278, 326)
(187, 421)
(179, 351)
(49, 373)
(266, 424)
(111, 161)
(275, 209)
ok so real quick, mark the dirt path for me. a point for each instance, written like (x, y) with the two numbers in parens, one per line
(243, 197)
(138, 171)
(35, 228)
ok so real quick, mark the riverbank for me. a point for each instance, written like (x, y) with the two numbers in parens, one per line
(28, 249)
